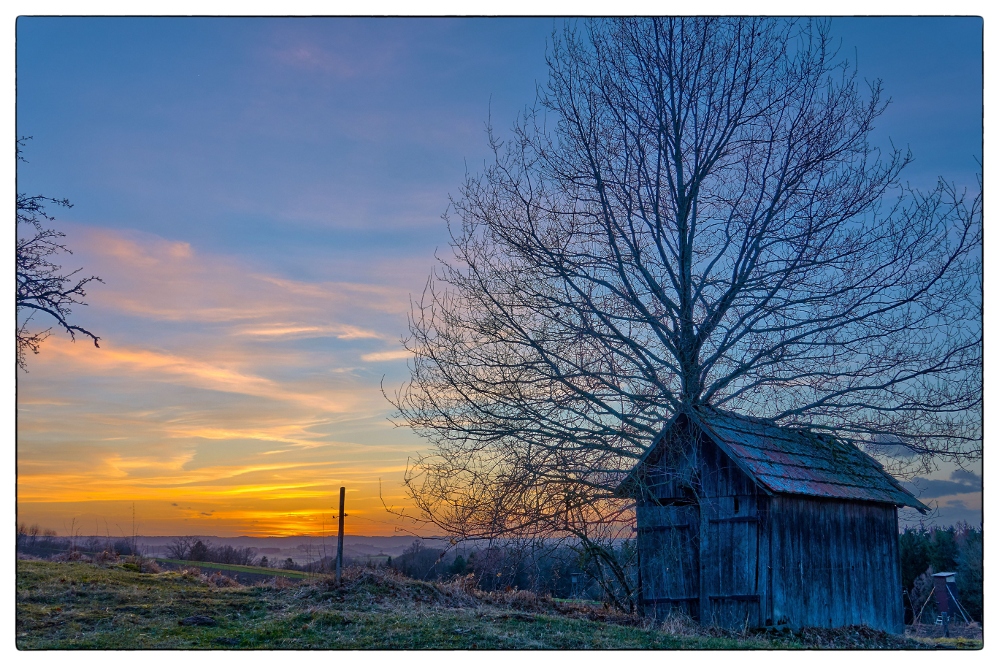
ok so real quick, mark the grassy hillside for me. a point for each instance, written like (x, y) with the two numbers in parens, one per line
(83, 605)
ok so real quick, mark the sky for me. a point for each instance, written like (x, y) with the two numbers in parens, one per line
(262, 198)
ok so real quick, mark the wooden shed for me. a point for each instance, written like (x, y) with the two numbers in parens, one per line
(742, 522)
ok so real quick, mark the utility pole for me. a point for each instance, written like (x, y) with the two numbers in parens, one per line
(339, 541)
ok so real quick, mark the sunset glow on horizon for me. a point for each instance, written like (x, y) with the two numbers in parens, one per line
(262, 199)
(235, 433)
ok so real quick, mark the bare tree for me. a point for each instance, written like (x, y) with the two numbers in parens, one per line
(180, 548)
(692, 214)
(42, 286)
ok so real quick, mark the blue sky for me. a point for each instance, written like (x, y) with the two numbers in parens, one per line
(262, 197)
(241, 134)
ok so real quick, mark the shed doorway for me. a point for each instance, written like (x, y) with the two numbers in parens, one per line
(731, 582)
(669, 540)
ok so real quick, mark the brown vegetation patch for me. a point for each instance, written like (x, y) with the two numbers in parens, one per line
(842, 638)
(389, 585)
(957, 630)
(219, 579)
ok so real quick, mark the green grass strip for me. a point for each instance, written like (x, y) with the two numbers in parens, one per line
(298, 575)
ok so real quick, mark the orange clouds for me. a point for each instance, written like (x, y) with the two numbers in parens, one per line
(245, 397)
(341, 332)
(393, 355)
(156, 366)
(240, 493)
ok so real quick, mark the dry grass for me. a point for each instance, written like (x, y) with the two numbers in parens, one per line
(678, 624)
(111, 605)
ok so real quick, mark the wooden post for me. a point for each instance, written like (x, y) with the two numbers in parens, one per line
(339, 541)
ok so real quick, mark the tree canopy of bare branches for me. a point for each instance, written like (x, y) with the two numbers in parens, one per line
(692, 213)
(42, 286)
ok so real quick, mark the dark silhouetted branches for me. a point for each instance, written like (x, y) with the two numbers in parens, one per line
(691, 214)
(43, 288)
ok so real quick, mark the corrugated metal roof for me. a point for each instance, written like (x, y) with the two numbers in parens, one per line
(800, 462)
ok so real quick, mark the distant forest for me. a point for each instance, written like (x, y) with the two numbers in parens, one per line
(559, 571)
(926, 551)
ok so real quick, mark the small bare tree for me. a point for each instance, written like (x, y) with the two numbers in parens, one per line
(42, 286)
(692, 214)
(180, 548)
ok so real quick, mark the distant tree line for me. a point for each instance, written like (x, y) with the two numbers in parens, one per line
(926, 551)
(193, 549)
(33, 540)
(38, 542)
(196, 550)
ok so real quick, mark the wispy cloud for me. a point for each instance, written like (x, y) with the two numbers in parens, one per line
(393, 355)
(314, 57)
(152, 278)
(340, 331)
(342, 54)
(157, 366)
(960, 482)
(215, 387)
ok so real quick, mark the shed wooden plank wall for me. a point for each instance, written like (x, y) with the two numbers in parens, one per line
(672, 473)
(835, 563)
(719, 476)
(706, 531)
(733, 565)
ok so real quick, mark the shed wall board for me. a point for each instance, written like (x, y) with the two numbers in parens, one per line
(668, 540)
(835, 563)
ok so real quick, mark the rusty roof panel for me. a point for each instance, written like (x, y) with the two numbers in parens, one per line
(800, 462)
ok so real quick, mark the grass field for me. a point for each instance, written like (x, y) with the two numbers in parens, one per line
(237, 568)
(82, 605)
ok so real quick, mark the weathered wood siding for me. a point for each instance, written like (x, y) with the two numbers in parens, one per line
(668, 542)
(703, 557)
(672, 475)
(733, 573)
(720, 477)
(714, 544)
(733, 567)
(834, 563)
